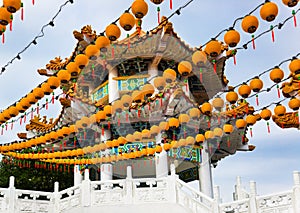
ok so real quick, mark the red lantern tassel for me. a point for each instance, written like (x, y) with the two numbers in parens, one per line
(84, 135)
(74, 142)
(37, 109)
(25, 118)
(112, 51)
(21, 120)
(171, 4)
(228, 142)
(278, 91)
(108, 124)
(251, 134)
(3, 38)
(10, 25)
(257, 102)
(12, 125)
(253, 42)
(158, 15)
(22, 12)
(234, 60)
(273, 34)
(102, 131)
(215, 66)
(294, 16)
(201, 77)
(31, 115)
(46, 103)
(268, 126)
(6, 126)
(119, 121)
(32, 2)
(2, 130)
(52, 100)
(161, 102)
(127, 117)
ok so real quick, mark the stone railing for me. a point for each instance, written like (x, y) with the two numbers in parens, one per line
(92, 195)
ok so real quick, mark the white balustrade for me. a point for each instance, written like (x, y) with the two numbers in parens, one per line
(92, 195)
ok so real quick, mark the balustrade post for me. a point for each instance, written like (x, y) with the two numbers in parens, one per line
(253, 205)
(12, 194)
(296, 192)
(86, 190)
(171, 182)
(129, 186)
(56, 196)
(217, 199)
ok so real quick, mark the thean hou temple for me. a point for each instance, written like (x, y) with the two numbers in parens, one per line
(146, 105)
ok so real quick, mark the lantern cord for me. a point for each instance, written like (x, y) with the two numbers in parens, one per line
(34, 40)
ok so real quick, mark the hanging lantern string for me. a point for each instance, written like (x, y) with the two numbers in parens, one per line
(33, 110)
(261, 74)
(34, 40)
(279, 26)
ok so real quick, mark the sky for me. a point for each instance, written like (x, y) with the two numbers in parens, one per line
(276, 155)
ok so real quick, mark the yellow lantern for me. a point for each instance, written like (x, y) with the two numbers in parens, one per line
(53, 82)
(160, 83)
(183, 118)
(64, 76)
(240, 123)
(250, 24)
(200, 138)
(137, 96)
(232, 37)
(251, 119)
(173, 123)
(294, 66)
(38, 93)
(184, 68)
(269, 11)
(92, 52)
(53, 136)
(154, 130)
(108, 110)
(279, 110)
(148, 90)
(127, 21)
(145, 134)
(137, 136)
(78, 125)
(115, 143)
(113, 32)
(73, 69)
(294, 103)
(102, 43)
(126, 99)
(163, 126)
(206, 108)
(12, 6)
(276, 75)
(81, 60)
(290, 3)
(85, 121)
(117, 106)
(244, 90)
(46, 88)
(130, 138)
(139, 8)
(100, 116)
(5, 16)
(232, 97)
(209, 134)
(66, 131)
(218, 103)
(190, 140)
(218, 132)
(122, 140)
(228, 128)
(266, 114)
(31, 98)
(194, 113)
(256, 84)
(167, 147)
(213, 48)
(150, 151)
(169, 75)
(13, 111)
(199, 58)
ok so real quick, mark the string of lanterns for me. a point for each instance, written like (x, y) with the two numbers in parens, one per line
(6, 17)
